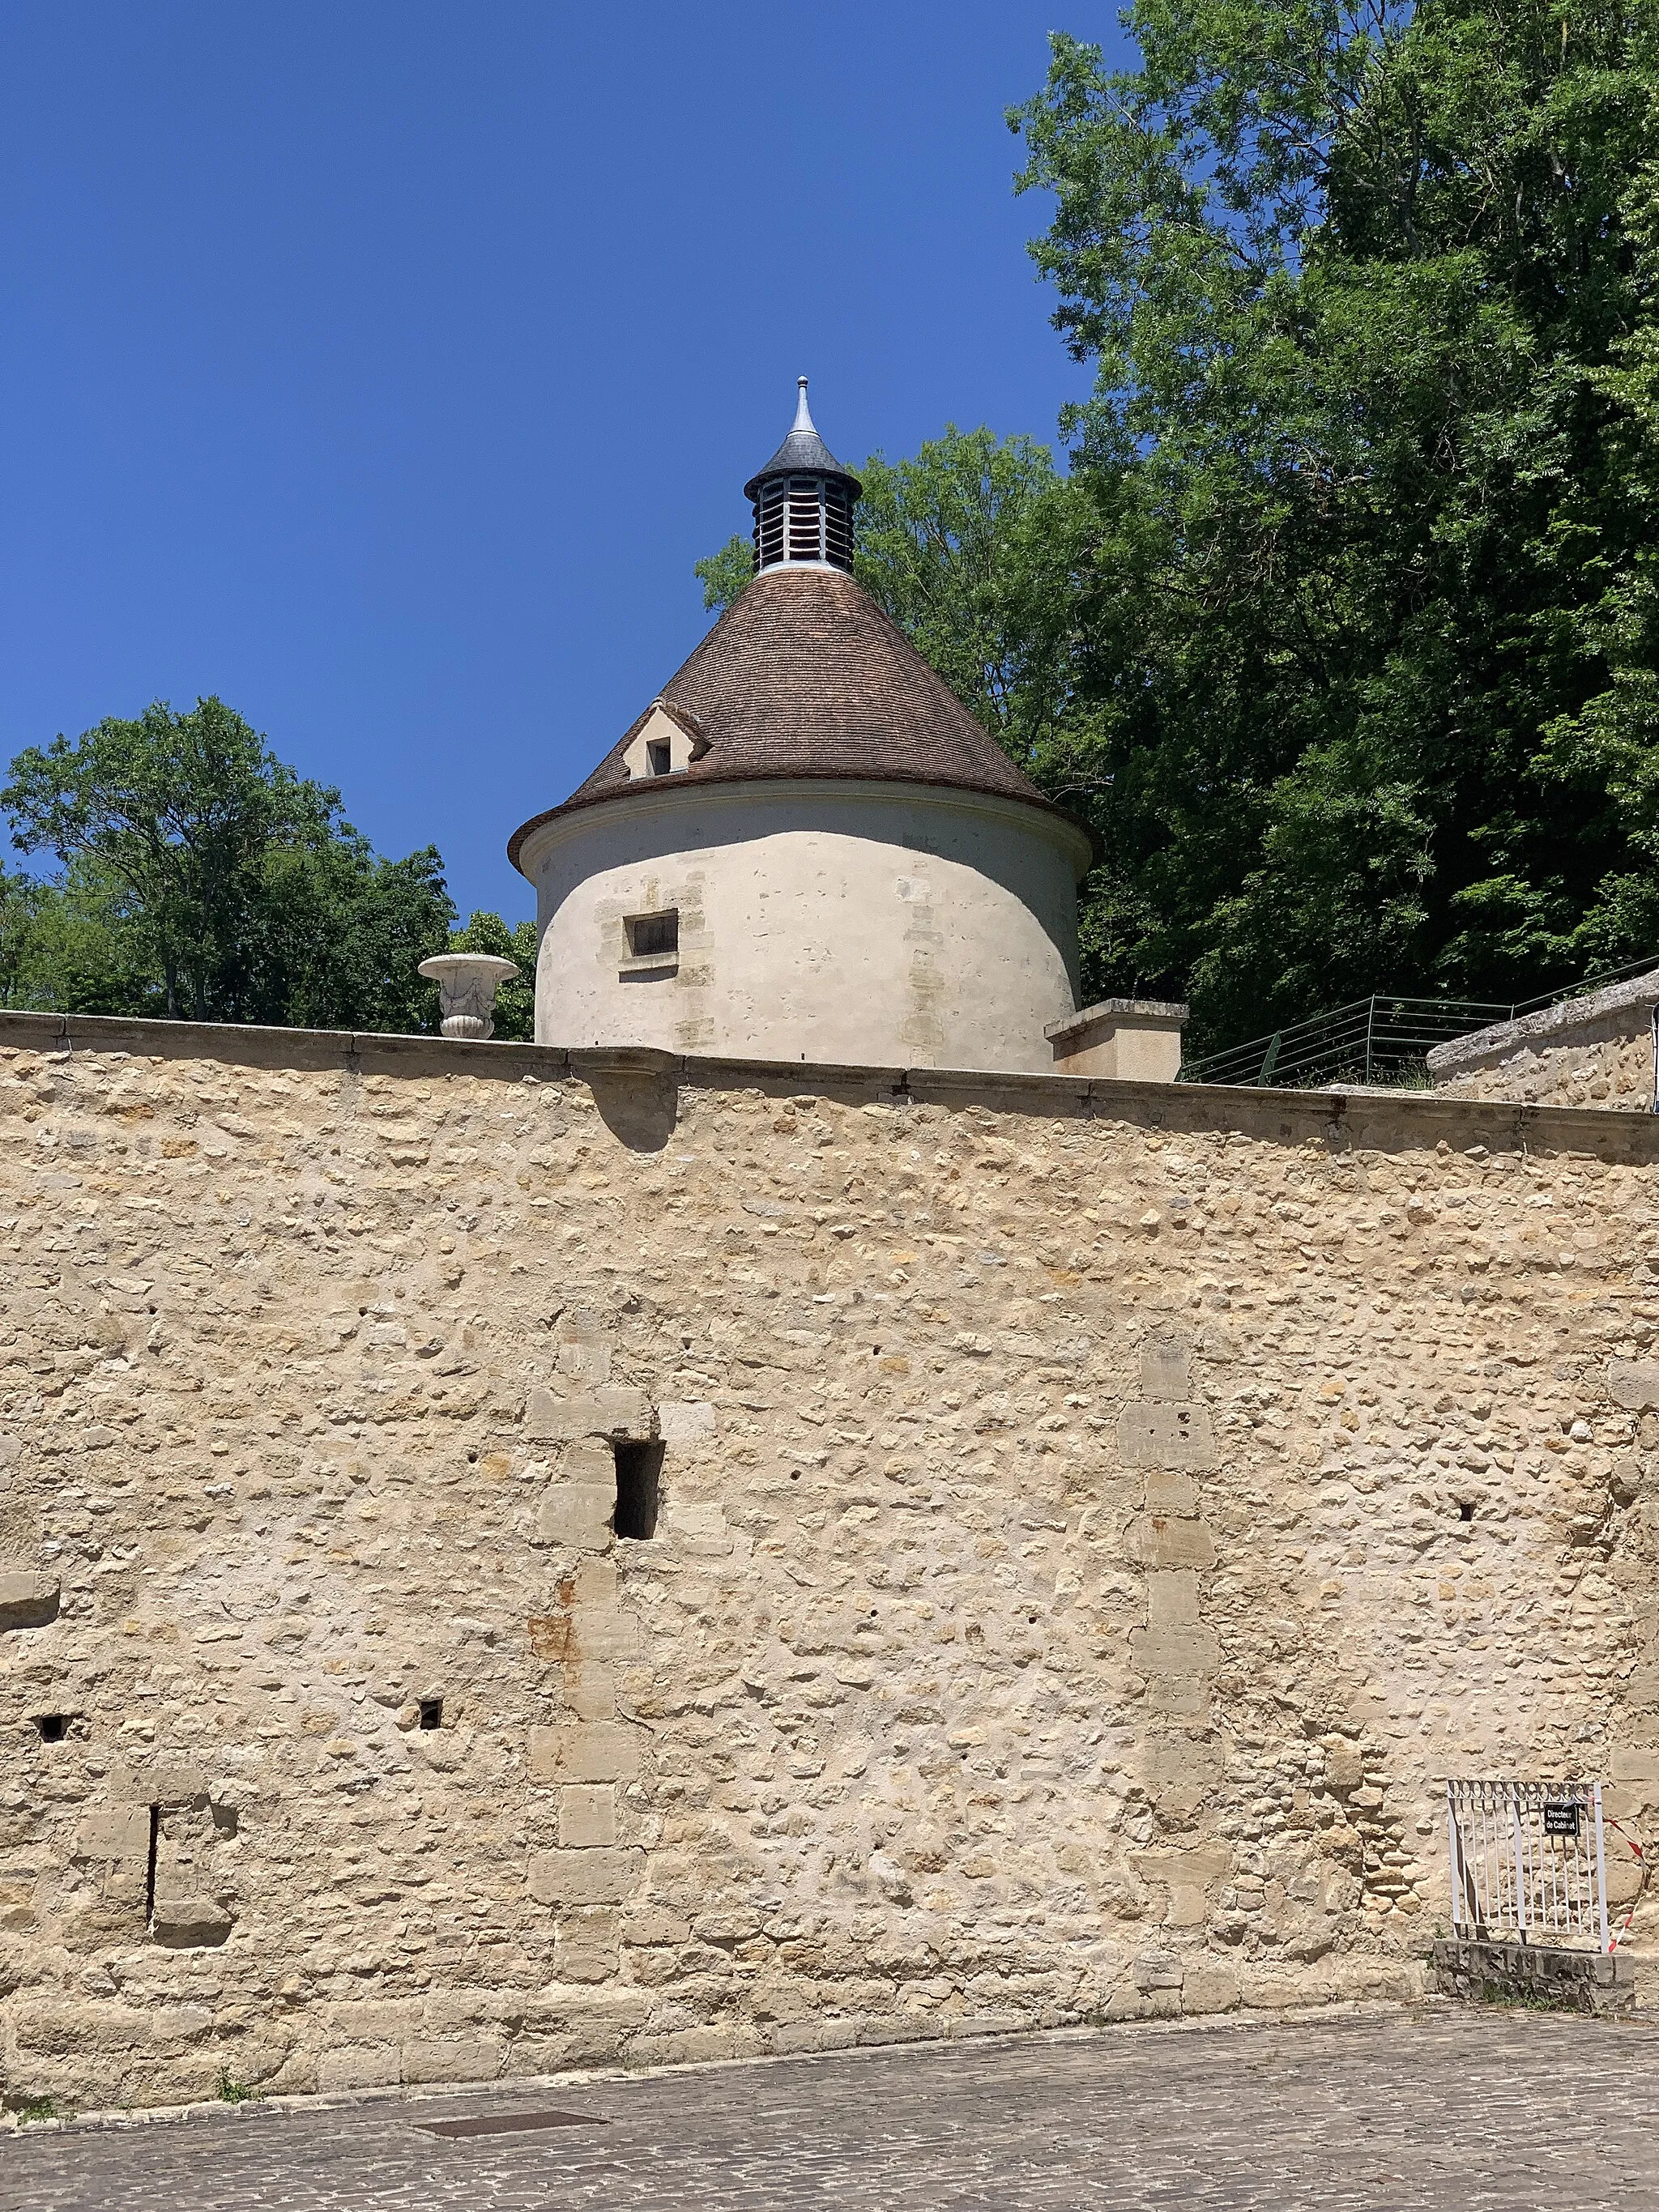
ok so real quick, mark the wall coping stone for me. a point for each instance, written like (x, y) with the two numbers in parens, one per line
(1550, 1024)
(1122, 1013)
(1347, 1122)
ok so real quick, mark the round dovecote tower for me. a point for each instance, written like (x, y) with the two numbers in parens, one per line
(805, 847)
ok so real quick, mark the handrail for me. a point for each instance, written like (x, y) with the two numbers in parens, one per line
(1386, 1037)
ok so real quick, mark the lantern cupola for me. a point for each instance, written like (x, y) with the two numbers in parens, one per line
(803, 500)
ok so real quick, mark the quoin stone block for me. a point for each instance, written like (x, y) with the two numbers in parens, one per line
(581, 1877)
(28, 1598)
(577, 1515)
(588, 1814)
(1166, 1435)
(587, 1752)
(122, 1832)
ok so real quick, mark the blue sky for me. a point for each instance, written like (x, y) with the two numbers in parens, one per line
(385, 369)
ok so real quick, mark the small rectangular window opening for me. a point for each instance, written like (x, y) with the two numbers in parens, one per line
(652, 935)
(639, 1476)
(432, 1712)
(53, 1727)
(656, 756)
(150, 1867)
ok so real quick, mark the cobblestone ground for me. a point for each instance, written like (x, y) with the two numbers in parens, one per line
(1414, 2109)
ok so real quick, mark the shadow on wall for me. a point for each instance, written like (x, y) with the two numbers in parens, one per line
(639, 1111)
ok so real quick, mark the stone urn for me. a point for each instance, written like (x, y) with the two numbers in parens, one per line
(466, 985)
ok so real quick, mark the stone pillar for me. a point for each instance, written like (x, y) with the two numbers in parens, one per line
(1168, 1434)
(1135, 1040)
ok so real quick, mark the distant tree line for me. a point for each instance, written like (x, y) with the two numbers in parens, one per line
(198, 879)
(1342, 626)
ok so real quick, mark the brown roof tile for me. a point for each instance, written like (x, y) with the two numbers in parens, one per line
(805, 676)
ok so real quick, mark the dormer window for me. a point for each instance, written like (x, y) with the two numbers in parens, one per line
(664, 745)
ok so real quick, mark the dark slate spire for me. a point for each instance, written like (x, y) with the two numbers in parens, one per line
(803, 500)
(802, 449)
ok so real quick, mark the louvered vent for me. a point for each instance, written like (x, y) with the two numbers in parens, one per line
(803, 518)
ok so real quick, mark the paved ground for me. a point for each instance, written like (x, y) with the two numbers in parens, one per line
(1419, 2109)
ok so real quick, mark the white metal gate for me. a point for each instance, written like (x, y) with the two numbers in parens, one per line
(1527, 1861)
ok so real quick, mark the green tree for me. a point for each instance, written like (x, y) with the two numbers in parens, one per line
(338, 934)
(1367, 658)
(180, 811)
(63, 948)
(202, 878)
(969, 546)
(21, 904)
(724, 575)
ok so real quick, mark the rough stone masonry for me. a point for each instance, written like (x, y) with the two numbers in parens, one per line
(1077, 1525)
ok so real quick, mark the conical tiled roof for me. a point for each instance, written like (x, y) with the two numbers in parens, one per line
(805, 676)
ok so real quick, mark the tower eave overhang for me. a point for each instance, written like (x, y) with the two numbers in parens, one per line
(688, 783)
(783, 463)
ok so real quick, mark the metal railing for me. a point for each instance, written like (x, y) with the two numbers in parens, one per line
(1372, 1040)
(1382, 1039)
(1527, 1862)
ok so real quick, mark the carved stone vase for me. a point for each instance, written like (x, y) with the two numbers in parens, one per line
(466, 985)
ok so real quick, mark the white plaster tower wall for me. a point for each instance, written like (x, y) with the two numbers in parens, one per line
(848, 921)
(805, 847)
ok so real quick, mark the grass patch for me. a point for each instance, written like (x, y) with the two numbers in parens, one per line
(229, 2091)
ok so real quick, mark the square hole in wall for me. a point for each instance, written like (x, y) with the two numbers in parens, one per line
(53, 1727)
(653, 936)
(639, 1477)
(432, 1712)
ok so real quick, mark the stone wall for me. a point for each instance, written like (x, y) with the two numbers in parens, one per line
(1597, 1050)
(1090, 1519)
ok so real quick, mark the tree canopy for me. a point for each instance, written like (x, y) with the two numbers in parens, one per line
(1341, 626)
(1368, 290)
(202, 878)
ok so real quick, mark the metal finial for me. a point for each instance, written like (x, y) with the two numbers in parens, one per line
(803, 419)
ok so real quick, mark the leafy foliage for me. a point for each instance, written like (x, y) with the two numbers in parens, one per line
(62, 946)
(967, 548)
(1371, 295)
(202, 878)
(344, 934)
(724, 575)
